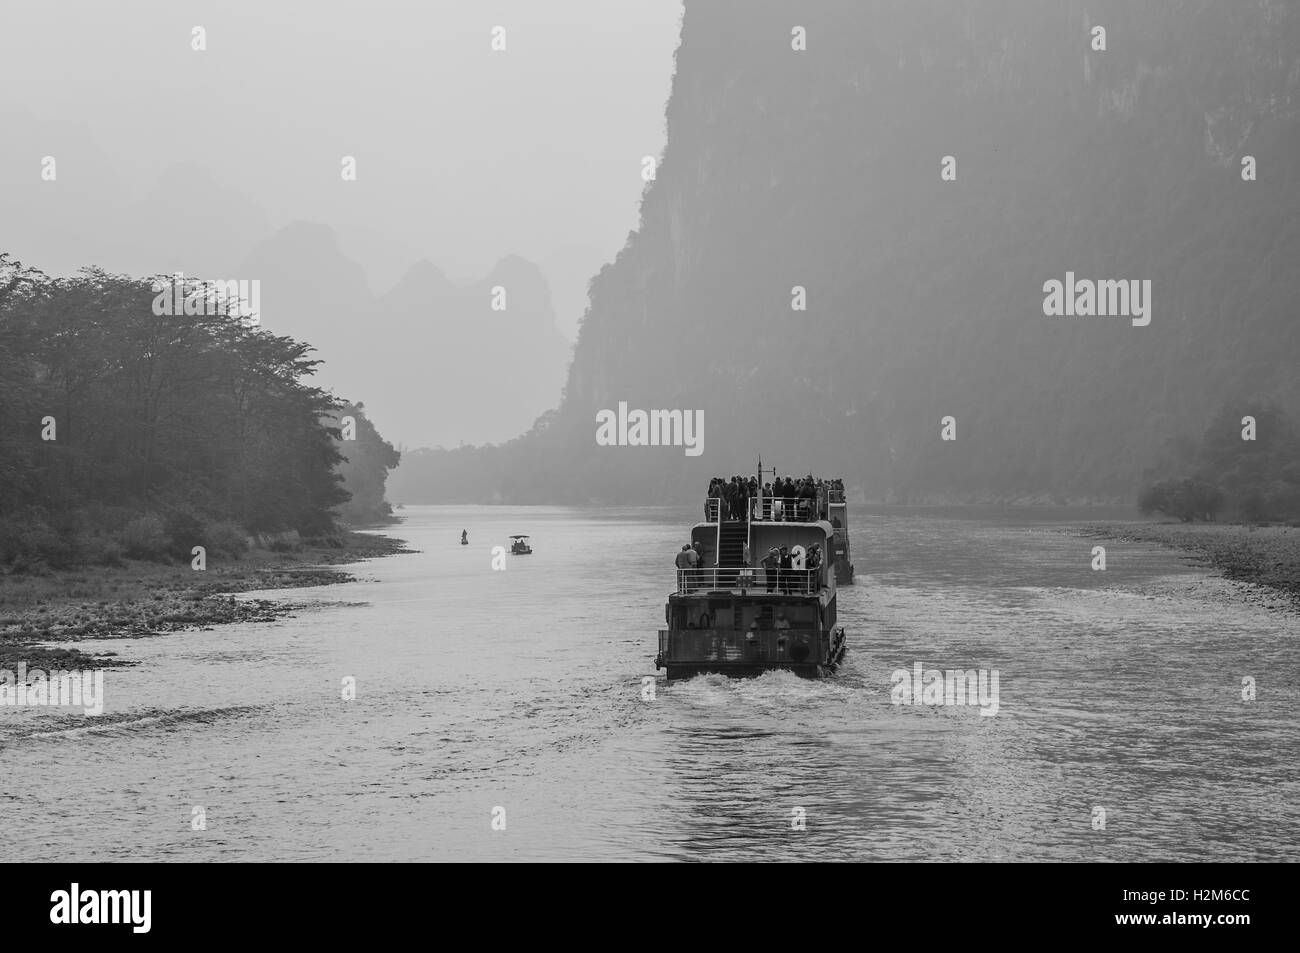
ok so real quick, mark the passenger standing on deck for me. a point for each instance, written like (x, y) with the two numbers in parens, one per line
(684, 560)
(770, 564)
(786, 570)
(767, 501)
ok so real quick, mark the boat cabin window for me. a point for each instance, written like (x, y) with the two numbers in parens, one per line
(728, 615)
(802, 616)
(693, 616)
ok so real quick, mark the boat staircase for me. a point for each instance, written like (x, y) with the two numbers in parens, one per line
(733, 536)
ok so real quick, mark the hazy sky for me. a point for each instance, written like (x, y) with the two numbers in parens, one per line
(464, 154)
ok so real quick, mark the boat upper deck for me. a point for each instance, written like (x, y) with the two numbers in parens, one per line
(765, 540)
(793, 501)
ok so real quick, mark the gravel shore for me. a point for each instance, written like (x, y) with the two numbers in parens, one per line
(142, 599)
(1264, 555)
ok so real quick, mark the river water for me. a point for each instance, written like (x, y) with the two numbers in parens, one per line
(518, 693)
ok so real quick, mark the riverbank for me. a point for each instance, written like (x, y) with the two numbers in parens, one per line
(141, 599)
(1267, 556)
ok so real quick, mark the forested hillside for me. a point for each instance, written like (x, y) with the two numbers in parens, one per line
(821, 168)
(130, 433)
(367, 458)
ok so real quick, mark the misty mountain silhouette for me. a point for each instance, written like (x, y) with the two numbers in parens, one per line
(216, 225)
(70, 222)
(821, 169)
(431, 360)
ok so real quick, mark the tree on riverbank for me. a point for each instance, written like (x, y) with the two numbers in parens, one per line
(1248, 462)
(122, 428)
(1187, 499)
(367, 458)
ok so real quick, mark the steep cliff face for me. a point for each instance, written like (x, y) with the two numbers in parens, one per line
(925, 298)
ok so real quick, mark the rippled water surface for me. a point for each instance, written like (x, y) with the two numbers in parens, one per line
(521, 689)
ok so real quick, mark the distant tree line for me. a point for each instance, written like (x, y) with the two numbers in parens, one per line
(1246, 465)
(124, 433)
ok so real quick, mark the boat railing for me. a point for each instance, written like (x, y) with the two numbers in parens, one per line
(750, 578)
(713, 506)
(836, 496)
(735, 645)
(789, 509)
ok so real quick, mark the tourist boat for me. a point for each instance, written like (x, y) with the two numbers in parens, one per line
(743, 620)
(520, 546)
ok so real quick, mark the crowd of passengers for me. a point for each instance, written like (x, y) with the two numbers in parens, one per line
(798, 499)
(781, 570)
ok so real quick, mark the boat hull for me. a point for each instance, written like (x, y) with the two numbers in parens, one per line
(678, 668)
(743, 670)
